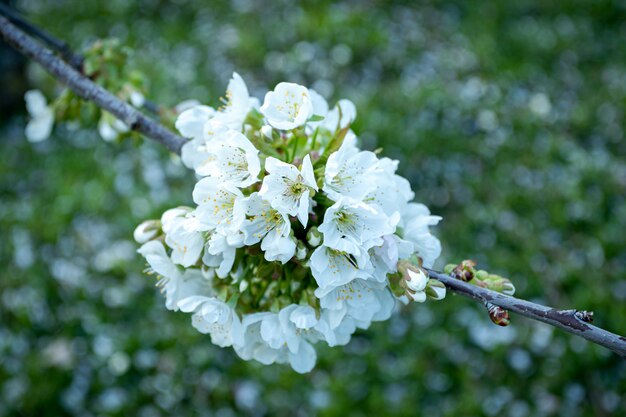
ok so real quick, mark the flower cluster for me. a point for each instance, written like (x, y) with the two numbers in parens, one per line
(296, 235)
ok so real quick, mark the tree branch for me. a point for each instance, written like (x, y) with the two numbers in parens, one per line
(53, 43)
(568, 320)
(57, 45)
(87, 89)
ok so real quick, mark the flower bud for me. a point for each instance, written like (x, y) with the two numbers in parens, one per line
(301, 251)
(498, 283)
(137, 99)
(435, 289)
(508, 288)
(414, 281)
(464, 271)
(314, 237)
(146, 231)
(267, 131)
(497, 314)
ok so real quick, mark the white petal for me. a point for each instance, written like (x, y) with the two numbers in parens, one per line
(303, 317)
(307, 173)
(303, 208)
(190, 304)
(40, 127)
(304, 360)
(35, 102)
(155, 255)
(190, 123)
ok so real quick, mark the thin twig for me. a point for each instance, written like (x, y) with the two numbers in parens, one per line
(568, 320)
(87, 89)
(63, 49)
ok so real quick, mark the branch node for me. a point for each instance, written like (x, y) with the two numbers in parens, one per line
(584, 315)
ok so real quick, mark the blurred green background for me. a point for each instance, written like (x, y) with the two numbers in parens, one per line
(507, 118)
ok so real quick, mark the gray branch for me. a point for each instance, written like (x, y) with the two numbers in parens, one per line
(567, 320)
(87, 89)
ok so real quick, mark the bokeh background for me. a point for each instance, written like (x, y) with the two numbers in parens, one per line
(507, 118)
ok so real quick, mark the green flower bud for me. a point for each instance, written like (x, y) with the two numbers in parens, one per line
(314, 237)
(435, 289)
(301, 251)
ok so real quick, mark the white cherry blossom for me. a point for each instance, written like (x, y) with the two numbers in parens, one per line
(384, 258)
(353, 227)
(219, 205)
(350, 172)
(175, 284)
(332, 268)
(185, 241)
(389, 191)
(320, 108)
(190, 123)
(265, 223)
(220, 251)
(288, 189)
(417, 219)
(238, 104)
(231, 158)
(341, 116)
(194, 153)
(216, 318)
(41, 116)
(362, 300)
(288, 106)
(279, 331)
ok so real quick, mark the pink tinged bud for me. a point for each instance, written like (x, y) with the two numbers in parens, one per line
(464, 271)
(497, 314)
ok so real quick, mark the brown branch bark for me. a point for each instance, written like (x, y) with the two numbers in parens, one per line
(87, 89)
(567, 320)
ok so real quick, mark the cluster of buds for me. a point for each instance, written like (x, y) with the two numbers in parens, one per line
(109, 64)
(417, 285)
(466, 271)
